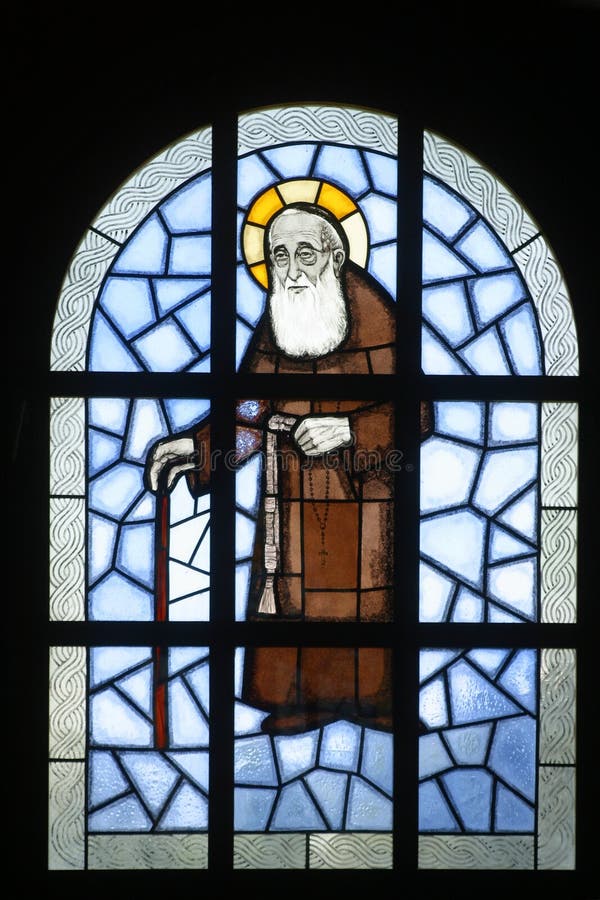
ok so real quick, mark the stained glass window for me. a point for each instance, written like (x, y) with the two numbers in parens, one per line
(235, 508)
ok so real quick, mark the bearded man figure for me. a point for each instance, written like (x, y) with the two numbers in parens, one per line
(324, 543)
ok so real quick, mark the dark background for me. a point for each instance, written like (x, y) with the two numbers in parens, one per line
(89, 95)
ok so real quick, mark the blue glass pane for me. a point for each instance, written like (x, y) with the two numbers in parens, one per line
(190, 208)
(445, 308)
(146, 251)
(127, 302)
(443, 210)
(470, 791)
(368, 808)
(495, 294)
(295, 810)
(166, 348)
(439, 261)
(188, 810)
(107, 352)
(173, 292)
(329, 788)
(383, 171)
(333, 161)
(297, 754)
(483, 249)
(296, 160)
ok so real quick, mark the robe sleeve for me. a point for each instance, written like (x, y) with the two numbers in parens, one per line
(250, 418)
(373, 433)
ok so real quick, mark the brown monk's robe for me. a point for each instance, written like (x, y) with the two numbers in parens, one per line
(336, 534)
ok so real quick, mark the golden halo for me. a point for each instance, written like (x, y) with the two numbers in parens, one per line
(306, 190)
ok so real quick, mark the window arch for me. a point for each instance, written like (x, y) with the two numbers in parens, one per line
(137, 302)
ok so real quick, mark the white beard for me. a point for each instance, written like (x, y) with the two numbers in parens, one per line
(314, 321)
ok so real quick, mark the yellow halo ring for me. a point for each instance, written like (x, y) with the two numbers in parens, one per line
(306, 190)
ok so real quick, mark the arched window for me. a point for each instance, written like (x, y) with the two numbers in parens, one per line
(238, 500)
(301, 511)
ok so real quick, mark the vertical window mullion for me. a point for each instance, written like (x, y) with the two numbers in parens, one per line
(222, 553)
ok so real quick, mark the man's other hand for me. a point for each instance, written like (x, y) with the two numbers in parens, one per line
(167, 460)
(320, 434)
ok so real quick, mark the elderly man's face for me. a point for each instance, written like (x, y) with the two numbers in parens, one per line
(298, 257)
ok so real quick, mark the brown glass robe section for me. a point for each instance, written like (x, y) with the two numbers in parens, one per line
(336, 529)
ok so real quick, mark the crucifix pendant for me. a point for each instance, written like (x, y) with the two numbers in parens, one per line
(323, 553)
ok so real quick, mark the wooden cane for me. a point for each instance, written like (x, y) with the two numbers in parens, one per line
(161, 587)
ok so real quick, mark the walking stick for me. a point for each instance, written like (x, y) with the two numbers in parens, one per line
(161, 587)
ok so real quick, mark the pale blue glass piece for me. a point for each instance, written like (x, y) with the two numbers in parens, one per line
(253, 761)
(153, 777)
(378, 759)
(195, 318)
(189, 209)
(436, 359)
(238, 668)
(503, 545)
(187, 725)
(471, 793)
(521, 336)
(181, 658)
(201, 558)
(250, 297)
(368, 808)
(182, 504)
(503, 475)
(512, 813)
(488, 658)
(146, 426)
(193, 608)
(447, 474)
(117, 599)
(431, 661)
(513, 755)
(105, 777)
(128, 303)
(461, 419)
(188, 810)
(253, 176)
(184, 580)
(144, 511)
(432, 704)
(382, 218)
(293, 161)
(202, 366)
(107, 663)
(198, 681)
(522, 514)
(433, 756)
(296, 754)
(190, 255)
(329, 790)
(244, 536)
(146, 251)
(519, 679)
(384, 172)
(107, 352)
(513, 422)
(334, 159)
(468, 606)
(115, 722)
(445, 308)
(434, 812)
(296, 811)
(116, 490)
(172, 292)
(241, 266)
(252, 808)
(135, 554)
(104, 449)
(340, 746)
(247, 484)
(102, 536)
(185, 537)
(185, 412)
(485, 355)
(435, 591)
(242, 339)
(247, 719)
(473, 698)
(456, 542)
(166, 348)
(109, 413)
(194, 764)
(382, 265)
(494, 294)
(126, 814)
(242, 581)
(514, 585)
(469, 744)
(444, 210)
(483, 249)
(439, 262)
(138, 688)
(497, 615)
